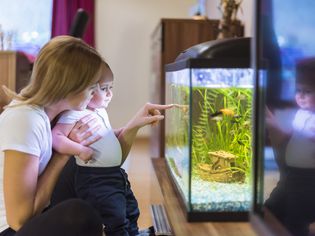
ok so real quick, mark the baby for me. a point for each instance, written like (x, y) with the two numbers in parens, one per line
(300, 150)
(100, 180)
(293, 199)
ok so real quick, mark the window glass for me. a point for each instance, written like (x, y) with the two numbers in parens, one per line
(284, 60)
(26, 25)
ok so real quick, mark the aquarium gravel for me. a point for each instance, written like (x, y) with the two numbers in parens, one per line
(218, 197)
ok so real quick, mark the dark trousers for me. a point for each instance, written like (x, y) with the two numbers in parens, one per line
(69, 218)
(300, 200)
(293, 200)
(64, 188)
(108, 190)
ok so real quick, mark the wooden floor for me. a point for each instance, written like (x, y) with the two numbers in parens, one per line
(143, 180)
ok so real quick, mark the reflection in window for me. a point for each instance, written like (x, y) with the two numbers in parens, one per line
(293, 45)
(26, 24)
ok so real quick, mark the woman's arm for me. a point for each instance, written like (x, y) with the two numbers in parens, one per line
(25, 193)
(148, 114)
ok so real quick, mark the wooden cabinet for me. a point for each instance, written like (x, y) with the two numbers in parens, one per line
(169, 39)
(15, 70)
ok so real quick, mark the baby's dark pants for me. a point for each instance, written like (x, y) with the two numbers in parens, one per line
(293, 200)
(108, 190)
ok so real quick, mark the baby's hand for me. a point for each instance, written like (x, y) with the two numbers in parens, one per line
(271, 121)
(86, 154)
(148, 114)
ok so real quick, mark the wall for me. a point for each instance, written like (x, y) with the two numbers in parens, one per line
(123, 30)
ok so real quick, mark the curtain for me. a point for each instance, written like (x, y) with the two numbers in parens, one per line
(63, 15)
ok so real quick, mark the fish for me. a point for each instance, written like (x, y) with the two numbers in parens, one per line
(218, 116)
(223, 111)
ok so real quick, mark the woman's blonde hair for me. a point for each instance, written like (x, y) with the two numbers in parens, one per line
(65, 65)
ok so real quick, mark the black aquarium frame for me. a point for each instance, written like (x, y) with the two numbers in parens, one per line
(263, 221)
(205, 63)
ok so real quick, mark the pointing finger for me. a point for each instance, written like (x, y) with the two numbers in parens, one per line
(159, 106)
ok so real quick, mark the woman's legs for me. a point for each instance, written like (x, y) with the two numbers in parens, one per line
(64, 188)
(69, 218)
(8, 232)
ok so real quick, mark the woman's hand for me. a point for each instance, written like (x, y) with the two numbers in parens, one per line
(85, 130)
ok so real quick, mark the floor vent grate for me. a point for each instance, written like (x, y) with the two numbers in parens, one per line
(160, 221)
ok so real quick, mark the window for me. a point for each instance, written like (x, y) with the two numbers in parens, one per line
(295, 43)
(26, 25)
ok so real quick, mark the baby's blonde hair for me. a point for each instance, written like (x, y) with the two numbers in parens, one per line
(64, 66)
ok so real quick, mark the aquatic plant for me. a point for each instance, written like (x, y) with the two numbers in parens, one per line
(229, 132)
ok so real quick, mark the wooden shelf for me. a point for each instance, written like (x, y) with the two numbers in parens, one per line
(15, 70)
(177, 218)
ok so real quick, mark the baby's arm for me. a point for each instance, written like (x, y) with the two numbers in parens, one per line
(118, 131)
(278, 137)
(62, 144)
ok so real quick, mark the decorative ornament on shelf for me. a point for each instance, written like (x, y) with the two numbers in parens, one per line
(200, 10)
(229, 26)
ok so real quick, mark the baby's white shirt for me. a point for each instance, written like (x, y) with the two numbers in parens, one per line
(107, 150)
(300, 150)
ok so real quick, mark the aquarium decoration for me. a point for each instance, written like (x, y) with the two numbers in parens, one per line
(209, 132)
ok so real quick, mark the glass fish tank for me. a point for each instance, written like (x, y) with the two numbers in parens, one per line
(209, 131)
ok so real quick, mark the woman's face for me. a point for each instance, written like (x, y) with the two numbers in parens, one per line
(80, 100)
(305, 96)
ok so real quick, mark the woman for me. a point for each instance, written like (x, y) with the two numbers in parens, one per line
(64, 77)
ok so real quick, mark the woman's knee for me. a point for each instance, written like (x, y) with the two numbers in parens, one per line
(81, 216)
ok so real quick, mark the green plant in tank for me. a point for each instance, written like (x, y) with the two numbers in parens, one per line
(222, 127)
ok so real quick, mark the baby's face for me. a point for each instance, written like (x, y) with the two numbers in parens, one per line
(103, 95)
(104, 92)
(305, 96)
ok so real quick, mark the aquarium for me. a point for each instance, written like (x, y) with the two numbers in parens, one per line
(284, 68)
(209, 131)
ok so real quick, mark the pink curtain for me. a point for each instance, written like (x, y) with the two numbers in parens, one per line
(64, 12)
